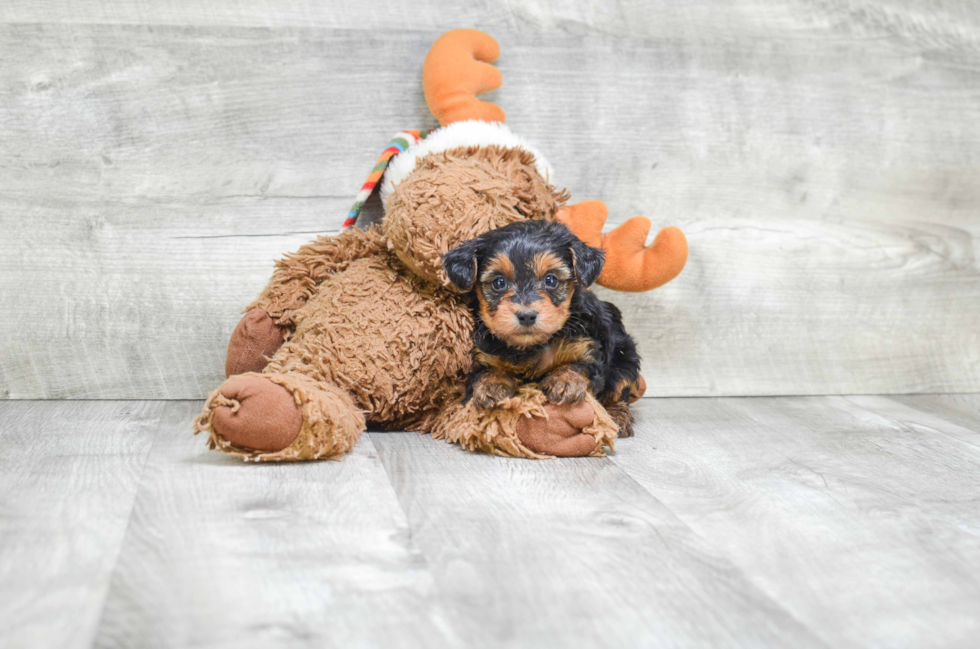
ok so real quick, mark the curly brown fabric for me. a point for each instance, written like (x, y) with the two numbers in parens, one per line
(297, 275)
(397, 345)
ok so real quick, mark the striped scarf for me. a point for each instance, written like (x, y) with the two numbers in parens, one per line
(399, 143)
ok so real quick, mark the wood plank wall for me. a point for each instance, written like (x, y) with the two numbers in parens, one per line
(823, 158)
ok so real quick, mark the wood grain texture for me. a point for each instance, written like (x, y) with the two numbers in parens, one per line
(157, 156)
(960, 409)
(934, 416)
(859, 518)
(569, 553)
(821, 521)
(220, 553)
(68, 476)
(943, 24)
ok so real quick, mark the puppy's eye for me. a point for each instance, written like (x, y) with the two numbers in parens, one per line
(550, 280)
(498, 283)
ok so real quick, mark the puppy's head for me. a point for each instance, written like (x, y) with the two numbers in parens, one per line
(524, 276)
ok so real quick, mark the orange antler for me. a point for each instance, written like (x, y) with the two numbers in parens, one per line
(629, 265)
(456, 69)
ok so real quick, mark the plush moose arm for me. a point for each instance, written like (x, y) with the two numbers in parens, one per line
(630, 265)
(264, 327)
(298, 274)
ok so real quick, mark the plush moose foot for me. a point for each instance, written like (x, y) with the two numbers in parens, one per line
(258, 414)
(565, 385)
(254, 341)
(528, 426)
(278, 417)
(561, 433)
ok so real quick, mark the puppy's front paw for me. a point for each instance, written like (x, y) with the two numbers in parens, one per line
(491, 389)
(565, 385)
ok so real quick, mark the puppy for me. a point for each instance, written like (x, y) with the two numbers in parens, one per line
(536, 320)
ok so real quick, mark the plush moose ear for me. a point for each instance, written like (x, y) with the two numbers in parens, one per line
(588, 262)
(460, 265)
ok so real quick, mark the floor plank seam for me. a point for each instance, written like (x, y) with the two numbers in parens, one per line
(718, 554)
(397, 497)
(905, 425)
(129, 520)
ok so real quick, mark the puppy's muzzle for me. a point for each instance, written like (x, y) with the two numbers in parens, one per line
(526, 317)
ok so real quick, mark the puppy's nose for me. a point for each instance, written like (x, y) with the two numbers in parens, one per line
(527, 317)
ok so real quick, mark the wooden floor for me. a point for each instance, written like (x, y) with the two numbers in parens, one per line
(787, 521)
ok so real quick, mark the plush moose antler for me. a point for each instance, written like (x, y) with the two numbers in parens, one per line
(629, 265)
(457, 69)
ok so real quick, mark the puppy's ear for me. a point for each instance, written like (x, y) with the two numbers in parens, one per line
(460, 265)
(588, 261)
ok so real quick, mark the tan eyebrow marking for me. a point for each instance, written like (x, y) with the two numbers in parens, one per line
(548, 262)
(499, 264)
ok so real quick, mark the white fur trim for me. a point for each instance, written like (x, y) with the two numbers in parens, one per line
(468, 133)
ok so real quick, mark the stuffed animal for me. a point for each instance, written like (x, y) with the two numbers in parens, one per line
(365, 326)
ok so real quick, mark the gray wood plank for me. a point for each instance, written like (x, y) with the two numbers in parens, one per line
(387, 15)
(820, 160)
(960, 409)
(569, 553)
(221, 553)
(862, 523)
(68, 476)
(141, 310)
(944, 24)
(940, 421)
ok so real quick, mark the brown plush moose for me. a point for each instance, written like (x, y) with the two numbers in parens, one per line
(365, 327)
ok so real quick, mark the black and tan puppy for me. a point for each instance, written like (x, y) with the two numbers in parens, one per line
(536, 320)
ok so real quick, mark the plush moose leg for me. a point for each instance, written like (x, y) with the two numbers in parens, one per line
(527, 426)
(264, 327)
(278, 417)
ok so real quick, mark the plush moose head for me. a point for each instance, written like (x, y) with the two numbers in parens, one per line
(474, 175)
